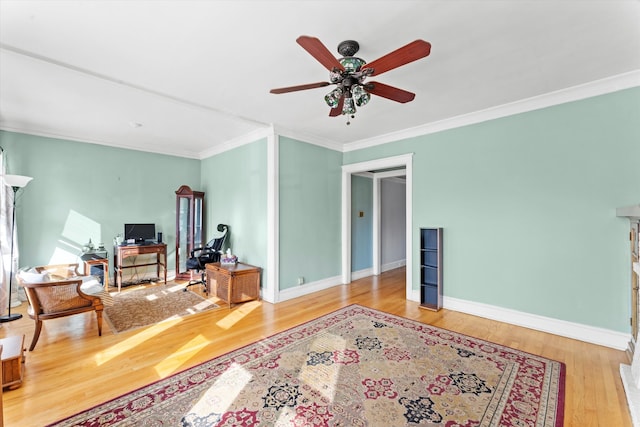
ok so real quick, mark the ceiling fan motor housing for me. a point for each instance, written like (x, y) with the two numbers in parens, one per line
(348, 48)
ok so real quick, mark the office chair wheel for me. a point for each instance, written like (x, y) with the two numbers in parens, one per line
(202, 281)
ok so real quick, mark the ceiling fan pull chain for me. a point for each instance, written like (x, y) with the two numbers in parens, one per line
(349, 119)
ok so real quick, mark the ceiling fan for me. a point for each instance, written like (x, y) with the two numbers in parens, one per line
(349, 73)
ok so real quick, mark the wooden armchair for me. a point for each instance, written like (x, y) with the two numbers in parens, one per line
(57, 293)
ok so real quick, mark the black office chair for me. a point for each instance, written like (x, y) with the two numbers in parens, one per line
(209, 253)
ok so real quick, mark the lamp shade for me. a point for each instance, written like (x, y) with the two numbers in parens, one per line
(16, 180)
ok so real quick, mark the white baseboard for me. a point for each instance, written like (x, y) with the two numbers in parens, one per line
(355, 275)
(586, 333)
(307, 288)
(362, 273)
(395, 264)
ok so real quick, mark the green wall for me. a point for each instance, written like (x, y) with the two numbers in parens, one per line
(361, 227)
(528, 204)
(309, 209)
(235, 183)
(86, 191)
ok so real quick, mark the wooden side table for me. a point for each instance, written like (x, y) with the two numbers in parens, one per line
(12, 361)
(234, 283)
(93, 259)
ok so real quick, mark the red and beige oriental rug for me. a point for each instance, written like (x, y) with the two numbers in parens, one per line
(352, 367)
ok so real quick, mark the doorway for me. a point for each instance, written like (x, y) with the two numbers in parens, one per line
(398, 162)
(389, 222)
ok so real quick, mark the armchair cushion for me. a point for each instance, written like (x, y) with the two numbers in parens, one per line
(32, 276)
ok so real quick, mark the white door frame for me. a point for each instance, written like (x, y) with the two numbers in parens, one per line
(377, 216)
(405, 161)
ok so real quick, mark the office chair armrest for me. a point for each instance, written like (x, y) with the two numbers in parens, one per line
(193, 252)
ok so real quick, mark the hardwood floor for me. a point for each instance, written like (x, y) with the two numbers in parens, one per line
(72, 369)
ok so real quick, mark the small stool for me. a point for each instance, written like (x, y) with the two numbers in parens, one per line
(12, 361)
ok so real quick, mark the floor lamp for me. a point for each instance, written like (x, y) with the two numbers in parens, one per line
(16, 182)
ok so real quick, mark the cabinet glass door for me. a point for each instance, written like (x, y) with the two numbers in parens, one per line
(189, 227)
(182, 234)
(197, 225)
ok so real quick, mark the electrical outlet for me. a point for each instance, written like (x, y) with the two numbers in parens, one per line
(300, 280)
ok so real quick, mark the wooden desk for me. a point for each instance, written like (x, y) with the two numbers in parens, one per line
(120, 253)
(235, 282)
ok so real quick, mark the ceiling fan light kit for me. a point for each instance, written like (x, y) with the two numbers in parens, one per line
(333, 98)
(349, 73)
(361, 95)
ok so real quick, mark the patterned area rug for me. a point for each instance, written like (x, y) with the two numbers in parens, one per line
(353, 367)
(148, 306)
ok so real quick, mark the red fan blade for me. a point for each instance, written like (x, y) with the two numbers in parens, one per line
(319, 51)
(406, 54)
(389, 92)
(337, 110)
(299, 87)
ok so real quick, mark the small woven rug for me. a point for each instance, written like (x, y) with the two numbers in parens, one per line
(147, 306)
(353, 367)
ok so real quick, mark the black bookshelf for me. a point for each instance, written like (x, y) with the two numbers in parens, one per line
(431, 268)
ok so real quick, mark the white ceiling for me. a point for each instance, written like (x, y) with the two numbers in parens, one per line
(196, 74)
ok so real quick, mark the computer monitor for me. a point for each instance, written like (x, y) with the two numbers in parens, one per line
(139, 232)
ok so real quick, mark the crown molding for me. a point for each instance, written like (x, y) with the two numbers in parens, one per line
(245, 139)
(47, 134)
(310, 139)
(574, 93)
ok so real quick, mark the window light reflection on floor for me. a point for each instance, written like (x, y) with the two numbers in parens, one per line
(122, 347)
(176, 360)
(323, 377)
(223, 392)
(238, 314)
(220, 396)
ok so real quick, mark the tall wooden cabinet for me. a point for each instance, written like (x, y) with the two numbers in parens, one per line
(189, 227)
(431, 268)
